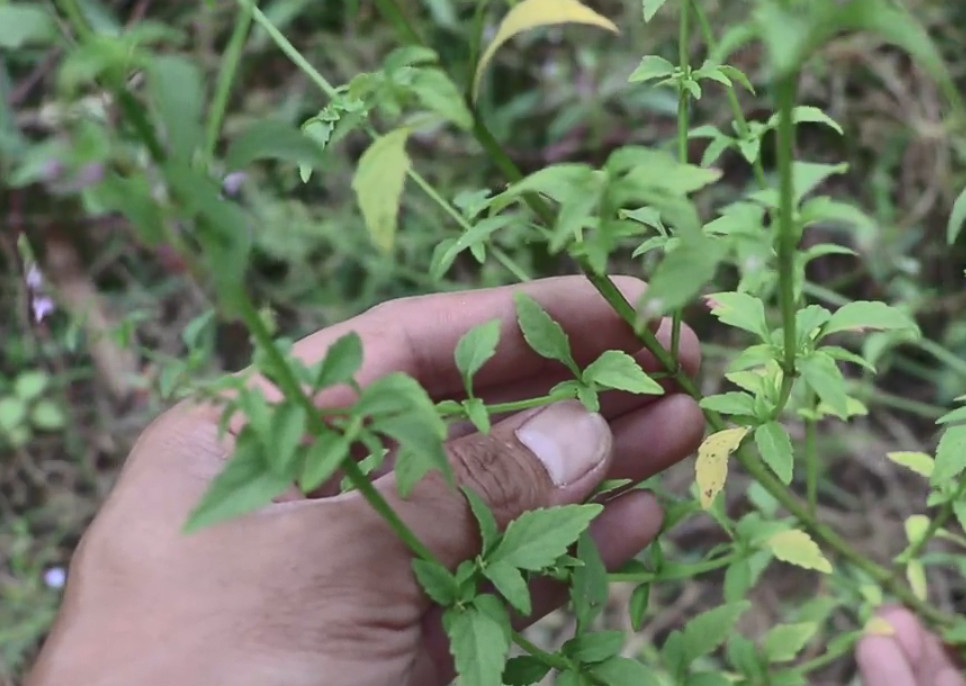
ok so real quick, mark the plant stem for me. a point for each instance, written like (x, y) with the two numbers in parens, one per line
(684, 126)
(786, 238)
(811, 460)
(937, 522)
(685, 571)
(226, 78)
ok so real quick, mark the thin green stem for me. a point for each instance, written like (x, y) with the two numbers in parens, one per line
(811, 460)
(684, 126)
(786, 238)
(684, 572)
(937, 522)
(226, 78)
(555, 661)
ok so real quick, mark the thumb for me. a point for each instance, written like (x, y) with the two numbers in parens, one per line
(555, 455)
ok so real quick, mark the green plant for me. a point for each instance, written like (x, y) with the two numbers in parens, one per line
(162, 171)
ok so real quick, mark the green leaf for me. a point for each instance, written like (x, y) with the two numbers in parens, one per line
(813, 115)
(920, 463)
(478, 414)
(479, 646)
(287, 432)
(681, 275)
(742, 311)
(807, 320)
(708, 630)
(420, 450)
(950, 455)
(619, 371)
(476, 347)
(47, 415)
(956, 219)
(589, 648)
(623, 671)
(378, 185)
(272, 139)
(437, 92)
(531, 14)
(825, 378)
(775, 447)
(535, 539)
(589, 589)
(545, 336)
(13, 412)
(640, 599)
(25, 23)
(484, 517)
(736, 74)
(732, 403)
(322, 458)
(176, 86)
(246, 483)
(651, 7)
(797, 548)
(509, 582)
(651, 67)
(341, 362)
(524, 670)
(785, 641)
(865, 315)
(30, 384)
(437, 581)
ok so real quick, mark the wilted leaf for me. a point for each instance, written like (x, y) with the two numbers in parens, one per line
(531, 14)
(378, 184)
(711, 467)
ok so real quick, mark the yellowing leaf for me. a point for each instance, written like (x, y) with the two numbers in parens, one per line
(916, 527)
(878, 626)
(916, 575)
(531, 14)
(920, 463)
(711, 467)
(797, 548)
(378, 185)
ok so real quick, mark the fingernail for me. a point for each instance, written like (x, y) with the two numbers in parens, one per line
(567, 439)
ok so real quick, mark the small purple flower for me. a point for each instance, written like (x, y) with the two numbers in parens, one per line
(34, 278)
(55, 577)
(42, 306)
(233, 183)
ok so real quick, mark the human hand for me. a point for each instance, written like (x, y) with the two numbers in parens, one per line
(911, 657)
(319, 590)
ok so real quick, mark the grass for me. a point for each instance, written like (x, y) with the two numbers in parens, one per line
(550, 101)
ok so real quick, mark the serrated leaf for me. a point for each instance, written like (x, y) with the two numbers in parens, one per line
(420, 449)
(825, 378)
(812, 115)
(956, 218)
(681, 275)
(535, 539)
(866, 315)
(708, 630)
(484, 519)
(733, 402)
(775, 447)
(651, 67)
(651, 7)
(509, 582)
(950, 455)
(531, 14)
(740, 310)
(797, 548)
(619, 371)
(479, 646)
(920, 463)
(437, 581)
(378, 184)
(437, 92)
(623, 671)
(545, 336)
(589, 590)
(341, 362)
(475, 348)
(785, 641)
(524, 670)
(322, 458)
(711, 467)
(590, 648)
(245, 484)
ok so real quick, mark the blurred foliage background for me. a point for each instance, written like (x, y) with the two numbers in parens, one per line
(96, 327)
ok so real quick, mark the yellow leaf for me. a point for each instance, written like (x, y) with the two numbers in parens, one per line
(920, 463)
(378, 185)
(878, 626)
(916, 575)
(711, 467)
(798, 548)
(916, 527)
(531, 14)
